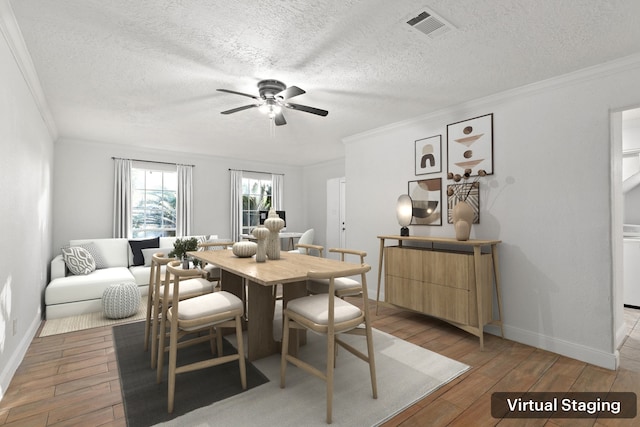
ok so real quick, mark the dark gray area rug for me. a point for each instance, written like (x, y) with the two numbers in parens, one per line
(145, 401)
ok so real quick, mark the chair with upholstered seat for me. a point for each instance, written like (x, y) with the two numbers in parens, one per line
(208, 312)
(344, 286)
(330, 315)
(309, 249)
(158, 261)
(306, 239)
(163, 298)
(212, 272)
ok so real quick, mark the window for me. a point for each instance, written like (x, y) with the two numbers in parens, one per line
(256, 196)
(153, 198)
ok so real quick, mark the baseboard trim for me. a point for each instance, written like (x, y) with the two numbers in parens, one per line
(17, 356)
(559, 346)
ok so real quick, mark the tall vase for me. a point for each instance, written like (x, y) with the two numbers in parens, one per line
(462, 217)
(274, 223)
(261, 234)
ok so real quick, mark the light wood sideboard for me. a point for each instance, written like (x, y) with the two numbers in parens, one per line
(445, 278)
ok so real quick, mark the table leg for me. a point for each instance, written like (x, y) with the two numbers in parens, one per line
(260, 321)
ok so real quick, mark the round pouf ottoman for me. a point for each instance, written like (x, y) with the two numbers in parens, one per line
(121, 300)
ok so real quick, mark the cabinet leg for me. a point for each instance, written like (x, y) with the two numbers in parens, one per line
(496, 276)
(379, 273)
(477, 253)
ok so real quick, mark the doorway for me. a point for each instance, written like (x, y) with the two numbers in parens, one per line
(625, 137)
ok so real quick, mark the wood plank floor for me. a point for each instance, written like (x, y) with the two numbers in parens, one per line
(72, 379)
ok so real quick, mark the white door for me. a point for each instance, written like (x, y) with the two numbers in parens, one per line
(343, 212)
(336, 224)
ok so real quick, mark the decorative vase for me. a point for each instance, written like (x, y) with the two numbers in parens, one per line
(261, 234)
(185, 262)
(274, 223)
(244, 249)
(462, 217)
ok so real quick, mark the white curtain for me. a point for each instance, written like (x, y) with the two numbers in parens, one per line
(184, 201)
(277, 192)
(236, 204)
(122, 198)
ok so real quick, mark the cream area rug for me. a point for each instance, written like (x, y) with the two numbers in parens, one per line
(89, 320)
(406, 373)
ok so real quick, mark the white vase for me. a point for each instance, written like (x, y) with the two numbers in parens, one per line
(274, 223)
(462, 217)
(261, 234)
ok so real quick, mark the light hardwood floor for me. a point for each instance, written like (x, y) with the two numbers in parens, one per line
(72, 379)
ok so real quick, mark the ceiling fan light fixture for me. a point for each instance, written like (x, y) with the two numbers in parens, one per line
(273, 96)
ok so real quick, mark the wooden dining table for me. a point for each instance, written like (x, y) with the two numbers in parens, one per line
(260, 278)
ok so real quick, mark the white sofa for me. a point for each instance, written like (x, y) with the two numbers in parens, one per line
(68, 294)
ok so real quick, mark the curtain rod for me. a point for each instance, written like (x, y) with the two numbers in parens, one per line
(153, 161)
(242, 170)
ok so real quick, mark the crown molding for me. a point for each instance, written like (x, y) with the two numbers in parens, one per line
(596, 71)
(10, 30)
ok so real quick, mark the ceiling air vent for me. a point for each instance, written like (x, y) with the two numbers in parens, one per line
(430, 24)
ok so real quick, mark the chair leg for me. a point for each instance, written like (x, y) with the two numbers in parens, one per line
(372, 362)
(147, 324)
(173, 355)
(161, 338)
(331, 344)
(243, 368)
(154, 333)
(285, 349)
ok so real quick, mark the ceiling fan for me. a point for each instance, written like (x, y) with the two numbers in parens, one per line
(273, 98)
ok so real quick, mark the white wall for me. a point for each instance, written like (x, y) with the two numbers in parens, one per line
(25, 210)
(83, 189)
(548, 201)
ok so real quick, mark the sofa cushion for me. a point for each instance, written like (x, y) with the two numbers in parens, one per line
(148, 254)
(141, 273)
(78, 260)
(87, 287)
(138, 245)
(113, 250)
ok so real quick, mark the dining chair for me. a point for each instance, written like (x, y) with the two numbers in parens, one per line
(163, 297)
(329, 315)
(208, 312)
(308, 249)
(212, 272)
(158, 261)
(344, 286)
(306, 239)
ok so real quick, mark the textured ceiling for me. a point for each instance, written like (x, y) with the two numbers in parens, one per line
(145, 73)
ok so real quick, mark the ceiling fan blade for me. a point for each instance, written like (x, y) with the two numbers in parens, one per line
(290, 92)
(306, 109)
(235, 110)
(279, 119)
(238, 93)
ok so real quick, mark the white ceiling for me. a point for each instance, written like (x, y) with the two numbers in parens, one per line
(145, 72)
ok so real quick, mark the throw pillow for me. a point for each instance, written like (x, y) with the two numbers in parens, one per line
(95, 253)
(138, 245)
(78, 260)
(148, 254)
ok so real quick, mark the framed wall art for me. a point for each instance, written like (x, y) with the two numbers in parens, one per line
(426, 201)
(428, 155)
(470, 145)
(470, 193)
